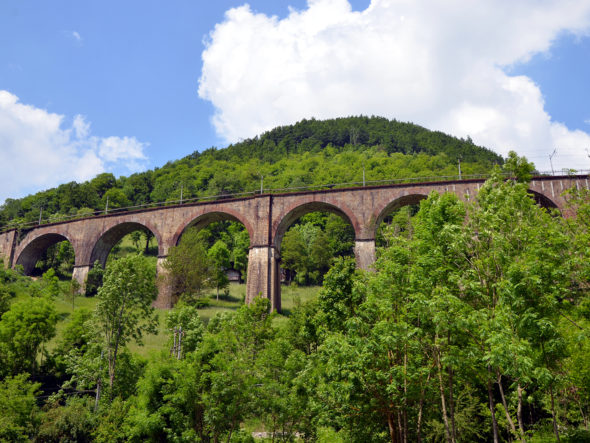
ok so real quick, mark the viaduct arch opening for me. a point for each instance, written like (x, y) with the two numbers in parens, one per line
(230, 235)
(397, 213)
(543, 201)
(139, 238)
(306, 240)
(107, 241)
(53, 248)
(204, 220)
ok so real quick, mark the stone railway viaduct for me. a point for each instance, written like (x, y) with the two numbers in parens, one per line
(266, 218)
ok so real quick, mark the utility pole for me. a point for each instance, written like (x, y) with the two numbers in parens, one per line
(261, 183)
(181, 189)
(40, 214)
(106, 208)
(363, 174)
(551, 161)
(459, 159)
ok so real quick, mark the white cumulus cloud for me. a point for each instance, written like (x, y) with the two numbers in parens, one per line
(440, 64)
(39, 150)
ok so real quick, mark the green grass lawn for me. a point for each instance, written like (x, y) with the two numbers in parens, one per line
(291, 296)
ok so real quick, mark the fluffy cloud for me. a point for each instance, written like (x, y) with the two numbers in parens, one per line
(38, 150)
(438, 64)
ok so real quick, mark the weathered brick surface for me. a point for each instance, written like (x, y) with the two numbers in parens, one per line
(266, 218)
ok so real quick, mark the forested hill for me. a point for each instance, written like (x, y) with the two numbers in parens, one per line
(390, 135)
(310, 152)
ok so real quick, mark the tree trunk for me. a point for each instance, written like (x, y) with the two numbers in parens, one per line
(492, 407)
(519, 412)
(452, 406)
(508, 417)
(148, 237)
(392, 430)
(442, 398)
(113, 355)
(405, 412)
(97, 398)
(555, 429)
(451, 396)
(584, 419)
(420, 408)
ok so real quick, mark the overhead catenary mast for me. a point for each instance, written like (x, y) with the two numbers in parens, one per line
(551, 161)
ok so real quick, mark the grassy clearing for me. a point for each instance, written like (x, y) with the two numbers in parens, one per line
(291, 297)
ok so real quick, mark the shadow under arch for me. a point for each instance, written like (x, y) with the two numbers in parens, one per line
(305, 208)
(203, 220)
(406, 200)
(543, 201)
(111, 237)
(31, 253)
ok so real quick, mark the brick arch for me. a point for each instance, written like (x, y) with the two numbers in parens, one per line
(35, 247)
(202, 220)
(543, 201)
(399, 202)
(107, 239)
(297, 210)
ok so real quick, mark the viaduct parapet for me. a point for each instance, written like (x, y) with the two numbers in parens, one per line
(266, 217)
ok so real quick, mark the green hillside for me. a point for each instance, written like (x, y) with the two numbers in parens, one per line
(311, 152)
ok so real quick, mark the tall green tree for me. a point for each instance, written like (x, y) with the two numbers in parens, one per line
(124, 309)
(24, 328)
(512, 262)
(219, 256)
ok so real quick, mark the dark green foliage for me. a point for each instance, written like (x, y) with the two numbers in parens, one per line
(60, 257)
(102, 183)
(577, 436)
(94, 279)
(5, 297)
(24, 328)
(309, 246)
(19, 414)
(188, 267)
(236, 239)
(390, 135)
(75, 338)
(186, 317)
(519, 167)
(338, 299)
(110, 423)
(72, 422)
(115, 198)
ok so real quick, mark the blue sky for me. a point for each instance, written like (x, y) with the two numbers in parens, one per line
(87, 87)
